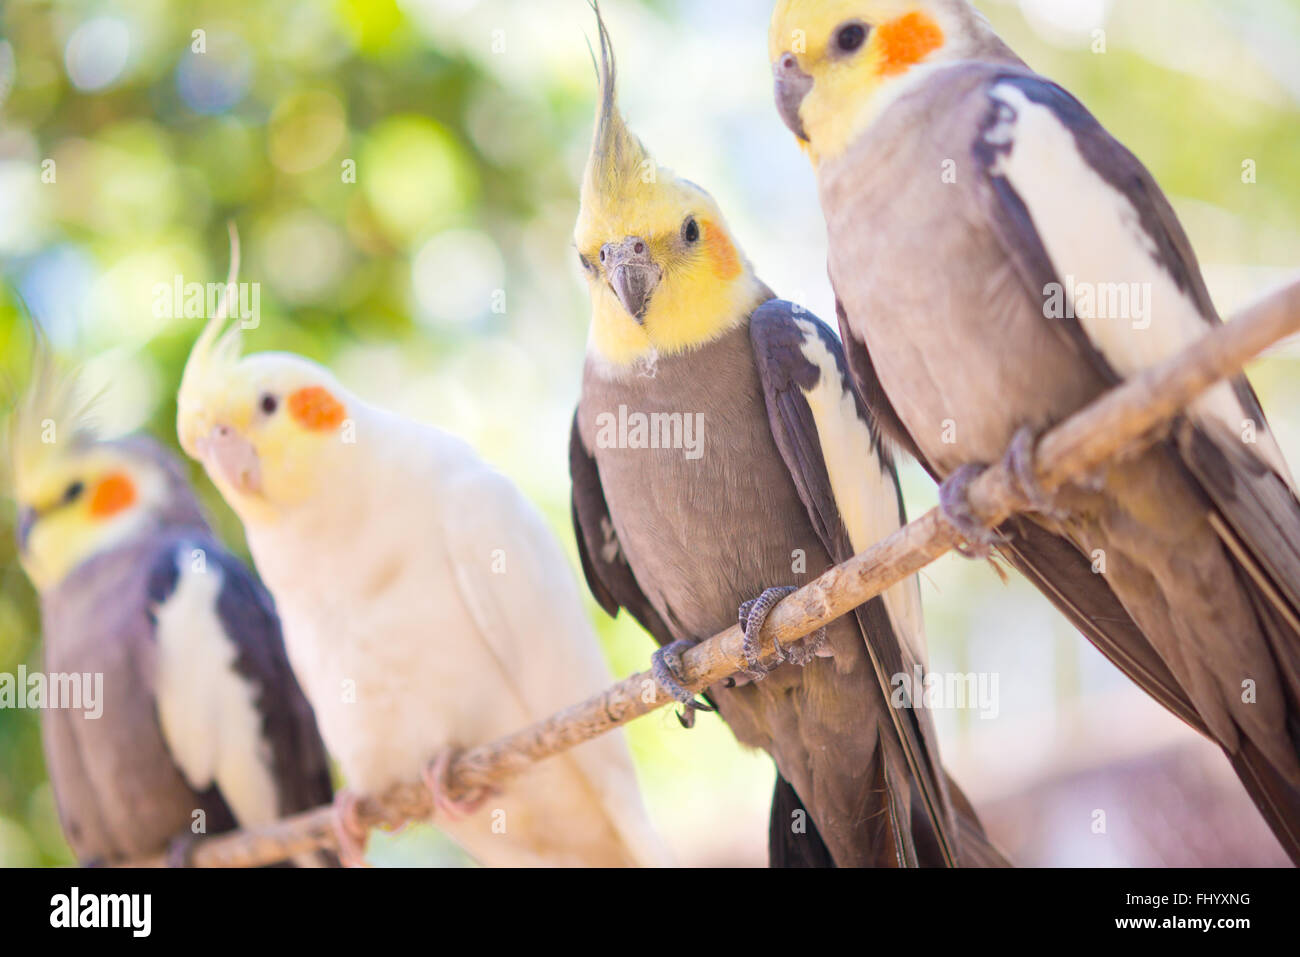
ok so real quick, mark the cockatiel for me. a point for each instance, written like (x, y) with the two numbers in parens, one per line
(202, 726)
(426, 606)
(999, 261)
(755, 470)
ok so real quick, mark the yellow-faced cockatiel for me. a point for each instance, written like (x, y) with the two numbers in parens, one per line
(762, 471)
(426, 606)
(200, 726)
(999, 261)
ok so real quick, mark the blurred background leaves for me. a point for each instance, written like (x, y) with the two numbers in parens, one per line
(404, 178)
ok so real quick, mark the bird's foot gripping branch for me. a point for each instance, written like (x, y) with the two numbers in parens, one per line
(1129, 417)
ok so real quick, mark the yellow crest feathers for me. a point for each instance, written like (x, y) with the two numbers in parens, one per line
(217, 345)
(53, 417)
(618, 161)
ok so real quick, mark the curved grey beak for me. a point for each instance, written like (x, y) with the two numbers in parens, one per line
(26, 520)
(632, 274)
(234, 457)
(790, 86)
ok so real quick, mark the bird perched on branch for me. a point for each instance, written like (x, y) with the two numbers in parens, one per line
(755, 469)
(426, 606)
(200, 725)
(999, 261)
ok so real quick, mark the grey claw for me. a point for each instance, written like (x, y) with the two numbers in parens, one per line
(180, 850)
(805, 651)
(955, 506)
(1020, 460)
(743, 613)
(666, 666)
(753, 614)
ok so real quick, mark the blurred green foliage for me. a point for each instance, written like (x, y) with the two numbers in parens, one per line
(257, 120)
(404, 179)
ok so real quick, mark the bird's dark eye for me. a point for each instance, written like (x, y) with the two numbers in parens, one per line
(850, 36)
(73, 492)
(586, 263)
(691, 230)
(269, 403)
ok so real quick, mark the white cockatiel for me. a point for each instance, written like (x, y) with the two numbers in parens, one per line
(426, 606)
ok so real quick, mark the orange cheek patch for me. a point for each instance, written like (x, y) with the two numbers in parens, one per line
(315, 409)
(113, 494)
(906, 41)
(722, 255)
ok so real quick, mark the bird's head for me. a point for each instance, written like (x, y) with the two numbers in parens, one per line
(836, 63)
(78, 494)
(663, 271)
(268, 428)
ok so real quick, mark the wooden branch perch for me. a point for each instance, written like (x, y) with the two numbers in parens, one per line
(1128, 418)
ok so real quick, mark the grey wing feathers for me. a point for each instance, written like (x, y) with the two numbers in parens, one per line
(1012, 222)
(1065, 577)
(786, 374)
(606, 570)
(1261, 527)
(782, 849)
(119, 791)
(1252, 502)
(863, 372)
(287, 736)
(298, 757)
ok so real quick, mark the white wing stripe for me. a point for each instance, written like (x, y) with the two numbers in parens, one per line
(864, 493)
(208, 713)
(1103, 256)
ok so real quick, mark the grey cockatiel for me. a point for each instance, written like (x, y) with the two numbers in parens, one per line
(718, 456)
(201, 726)
(999, 262)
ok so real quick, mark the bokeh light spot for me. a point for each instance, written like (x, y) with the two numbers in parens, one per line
(416, 176)
(455, 276)
(306, 129)
(97, 52)
(305, 257)
(23, 213)
(214, 81)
